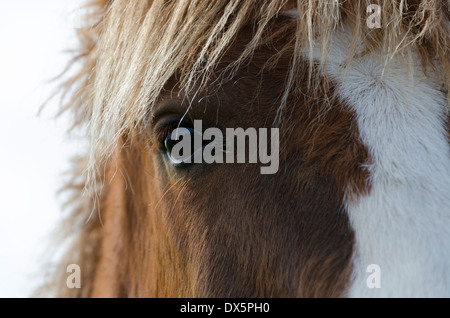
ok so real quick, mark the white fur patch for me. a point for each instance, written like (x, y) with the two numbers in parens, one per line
(403, 224)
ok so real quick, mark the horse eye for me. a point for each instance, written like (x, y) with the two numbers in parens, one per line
(181, 140)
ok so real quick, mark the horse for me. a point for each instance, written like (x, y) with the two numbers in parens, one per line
(360, 203)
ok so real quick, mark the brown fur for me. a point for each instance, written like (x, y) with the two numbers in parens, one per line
(225, 230)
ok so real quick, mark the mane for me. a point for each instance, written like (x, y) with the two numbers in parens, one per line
(128, 50)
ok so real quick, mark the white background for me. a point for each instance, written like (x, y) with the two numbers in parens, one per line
(34, 151)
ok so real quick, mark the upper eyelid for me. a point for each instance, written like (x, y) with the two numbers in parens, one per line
(168, 124)
(167, 120)
(166, 108)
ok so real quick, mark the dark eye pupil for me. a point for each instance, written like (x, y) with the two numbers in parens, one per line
(169, 143)
(182, 145)
(174, 138)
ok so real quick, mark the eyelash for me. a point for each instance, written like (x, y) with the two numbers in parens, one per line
(163, 132)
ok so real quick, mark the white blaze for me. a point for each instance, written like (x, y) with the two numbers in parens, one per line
(403, 224)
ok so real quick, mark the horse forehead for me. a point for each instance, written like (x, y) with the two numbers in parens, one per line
(222, 99)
